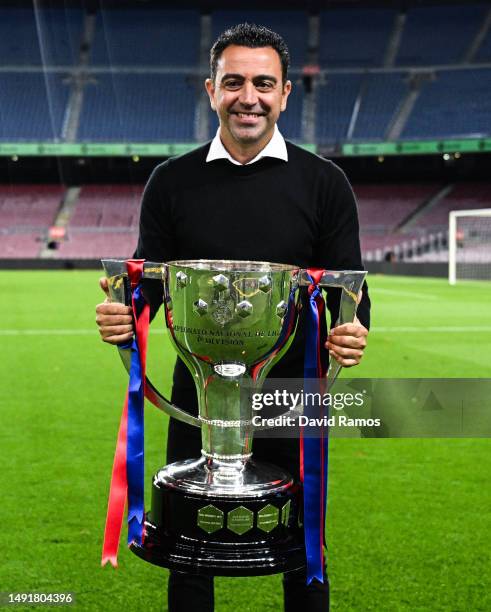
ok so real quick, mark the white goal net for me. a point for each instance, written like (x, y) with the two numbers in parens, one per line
(469, 245)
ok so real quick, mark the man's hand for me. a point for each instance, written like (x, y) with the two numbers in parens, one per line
(347, 342)
(115, 320)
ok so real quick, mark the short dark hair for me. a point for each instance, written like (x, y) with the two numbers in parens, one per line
(252, 36)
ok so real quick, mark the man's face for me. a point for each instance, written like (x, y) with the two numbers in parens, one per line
(248, 93)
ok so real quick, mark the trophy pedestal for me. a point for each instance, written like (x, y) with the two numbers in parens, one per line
(200, 524)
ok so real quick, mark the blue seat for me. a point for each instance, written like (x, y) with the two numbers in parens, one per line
(32, 106)
(335, 101)
(382, 95)
(46, 36)
(439, 34)
(354, 36)
(456, 104)
(138, 107)
(154, 37)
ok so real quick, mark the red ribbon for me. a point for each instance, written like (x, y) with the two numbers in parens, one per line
(119, 484)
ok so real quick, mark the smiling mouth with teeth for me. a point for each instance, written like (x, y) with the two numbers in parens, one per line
(242, 115)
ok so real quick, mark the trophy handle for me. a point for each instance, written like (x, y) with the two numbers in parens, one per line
(350, 282)
(120, 291)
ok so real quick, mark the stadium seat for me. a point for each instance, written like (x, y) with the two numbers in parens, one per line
(33, 105)
(138, 107)
(335, 101)
(26, 212)
(49, 37)
(439, 34)
(104, 223)
(382, 95)
(354, 37)
(146, 37)
(455, 104)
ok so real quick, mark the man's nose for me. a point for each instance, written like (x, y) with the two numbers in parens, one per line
(248, 95)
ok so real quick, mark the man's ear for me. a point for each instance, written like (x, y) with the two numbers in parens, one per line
(210, 90)
(287, 87)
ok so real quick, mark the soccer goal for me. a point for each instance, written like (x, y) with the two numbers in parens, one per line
(469, 245)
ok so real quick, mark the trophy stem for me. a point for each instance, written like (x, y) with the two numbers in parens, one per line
(225, 472)
(226, 426)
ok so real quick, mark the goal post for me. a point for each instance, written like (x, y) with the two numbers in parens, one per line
(469, 245)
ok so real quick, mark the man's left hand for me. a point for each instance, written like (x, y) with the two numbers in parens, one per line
(347, 342)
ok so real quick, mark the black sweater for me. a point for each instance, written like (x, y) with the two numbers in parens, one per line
(300, 212)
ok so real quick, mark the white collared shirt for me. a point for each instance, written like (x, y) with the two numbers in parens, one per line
(276, 147)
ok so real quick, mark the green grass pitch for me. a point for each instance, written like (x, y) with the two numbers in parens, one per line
(409, 521)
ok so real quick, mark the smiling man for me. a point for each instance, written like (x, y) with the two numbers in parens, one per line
(248, 89)
(248, 195)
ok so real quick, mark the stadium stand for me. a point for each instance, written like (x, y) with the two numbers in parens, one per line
(107, 206)
(158, 52)
(383, 212)
(19, 42)
(26, 212)
(456, 103)
(484, 52)
(354, 37)
(146, 37)
(386, 207)
(104, 223)
(138, 78)
(89, 244)
(382, 96)
(60, 35)
(50, 37)
(396, 218)
(439, 34)
(138, 107)
(32, 105)
(421, 235)
(464, 196)
(335, 101)
(292, 25)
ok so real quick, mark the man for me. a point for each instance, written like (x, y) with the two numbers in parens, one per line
(248, 195)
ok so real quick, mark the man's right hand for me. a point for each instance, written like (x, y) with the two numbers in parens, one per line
(115, 320)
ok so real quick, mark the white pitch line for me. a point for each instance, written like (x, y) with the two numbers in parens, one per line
(385, 330)
(397, 293)
(433, 329)
(58, 332)
(46, 332)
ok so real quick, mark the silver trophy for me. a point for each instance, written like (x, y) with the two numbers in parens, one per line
(230, 321)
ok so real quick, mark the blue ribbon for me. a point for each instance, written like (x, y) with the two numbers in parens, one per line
(135, 437)
(315, 451)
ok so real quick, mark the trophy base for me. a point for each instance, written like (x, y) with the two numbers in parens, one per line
(215, 559)
(248, 532)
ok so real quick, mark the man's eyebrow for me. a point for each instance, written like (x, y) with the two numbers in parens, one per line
(231, 75)
(265, 77)
(259, 77)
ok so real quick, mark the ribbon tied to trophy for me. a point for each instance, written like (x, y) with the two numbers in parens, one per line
(127, 481)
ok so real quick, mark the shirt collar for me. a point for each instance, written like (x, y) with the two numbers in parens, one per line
(276, 147)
